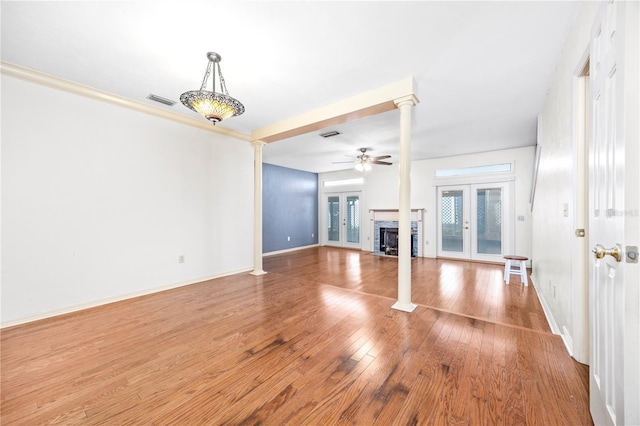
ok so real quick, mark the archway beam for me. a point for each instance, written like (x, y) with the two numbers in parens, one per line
(366, 104)
(397, 95)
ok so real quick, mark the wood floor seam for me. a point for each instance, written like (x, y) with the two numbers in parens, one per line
(434, 307)
(287, 348)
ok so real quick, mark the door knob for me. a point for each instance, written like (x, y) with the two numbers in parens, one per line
(601, 252)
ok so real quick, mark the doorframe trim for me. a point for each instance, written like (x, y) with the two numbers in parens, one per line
(577, 342)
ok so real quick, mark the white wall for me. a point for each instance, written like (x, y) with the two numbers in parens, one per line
(98, 202)
(553, 241)
(380, 191)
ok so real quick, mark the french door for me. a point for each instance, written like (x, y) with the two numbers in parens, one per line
(343, 219)
(475, 222)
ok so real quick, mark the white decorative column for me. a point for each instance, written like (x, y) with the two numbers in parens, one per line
(257, 208)
(404, 206)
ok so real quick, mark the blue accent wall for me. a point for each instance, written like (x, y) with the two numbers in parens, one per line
(289, 208)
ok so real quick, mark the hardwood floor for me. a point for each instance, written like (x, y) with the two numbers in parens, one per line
(312, 342)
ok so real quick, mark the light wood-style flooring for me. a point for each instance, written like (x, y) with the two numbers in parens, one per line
(312, 342)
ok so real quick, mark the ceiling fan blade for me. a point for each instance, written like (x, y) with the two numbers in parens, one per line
(341, 162)
(382, 157)
(384, 163)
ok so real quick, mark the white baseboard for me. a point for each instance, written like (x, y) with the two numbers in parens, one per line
(545, 307)
(271, 253)
(101, 302)
(555, 329)
(568, 340)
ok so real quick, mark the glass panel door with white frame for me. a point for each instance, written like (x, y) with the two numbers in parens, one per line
(343, 219)
(489, 221)
(333, 218)
(353, 218)
(453, 212)
(472, 221)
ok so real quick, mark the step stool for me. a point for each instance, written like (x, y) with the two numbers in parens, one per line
(515, 265)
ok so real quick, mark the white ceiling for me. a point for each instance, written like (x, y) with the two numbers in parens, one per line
(482, 68)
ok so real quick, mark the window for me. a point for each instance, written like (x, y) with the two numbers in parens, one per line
(475, 170)
(343, 182)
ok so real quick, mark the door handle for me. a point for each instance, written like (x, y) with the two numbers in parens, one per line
(601, 252)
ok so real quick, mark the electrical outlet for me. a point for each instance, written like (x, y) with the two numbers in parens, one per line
(181, 258)
(426, 242)
(313, 235)
(288, 238)
(520, 218)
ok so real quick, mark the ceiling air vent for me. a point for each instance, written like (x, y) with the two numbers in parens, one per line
(161, 99)
(330, 134)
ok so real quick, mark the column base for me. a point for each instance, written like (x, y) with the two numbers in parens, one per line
(257, 272)
(405, 307)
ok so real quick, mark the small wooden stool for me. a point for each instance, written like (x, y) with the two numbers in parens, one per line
(515, 265)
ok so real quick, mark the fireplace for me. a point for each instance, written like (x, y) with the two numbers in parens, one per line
(384, 232)
(389, 241)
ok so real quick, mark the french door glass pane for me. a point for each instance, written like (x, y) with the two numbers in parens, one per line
(452, 219)
(489, 227)
(353, 219)
(333, 218)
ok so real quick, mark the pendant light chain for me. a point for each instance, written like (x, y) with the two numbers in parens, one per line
(223, 85)
(206, 77)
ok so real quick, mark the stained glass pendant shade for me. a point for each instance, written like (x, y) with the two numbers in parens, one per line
(214, 106)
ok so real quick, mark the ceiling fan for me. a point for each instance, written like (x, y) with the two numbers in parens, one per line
(363, 161)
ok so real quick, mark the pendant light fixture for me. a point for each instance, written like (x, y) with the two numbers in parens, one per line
(214, 106)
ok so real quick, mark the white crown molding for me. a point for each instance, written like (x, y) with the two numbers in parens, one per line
(100, 95)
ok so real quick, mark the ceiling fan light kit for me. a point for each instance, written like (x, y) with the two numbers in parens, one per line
(212, 105)
(363, 166)
(363, 161)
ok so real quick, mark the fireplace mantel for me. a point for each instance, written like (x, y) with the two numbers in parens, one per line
(385, 216)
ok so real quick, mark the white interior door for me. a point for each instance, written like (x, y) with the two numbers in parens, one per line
(475, 221)
(613, 218)
(343, 219)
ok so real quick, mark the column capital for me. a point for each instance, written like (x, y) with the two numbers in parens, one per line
(410, 100)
